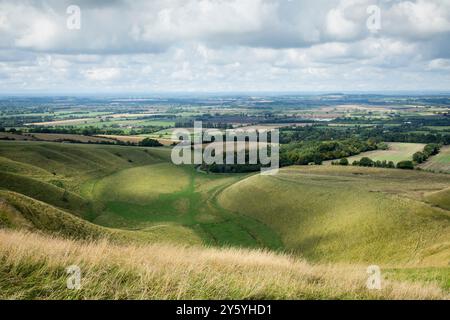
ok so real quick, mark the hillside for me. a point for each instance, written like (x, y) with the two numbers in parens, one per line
(33, 267)
(349, 217)
(350, 214)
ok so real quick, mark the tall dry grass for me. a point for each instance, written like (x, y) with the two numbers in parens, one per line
(33, 267)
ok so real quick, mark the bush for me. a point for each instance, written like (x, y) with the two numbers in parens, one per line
(407, 165)
(366, 162)
(343, 162)
(147, 142)
(419, 157)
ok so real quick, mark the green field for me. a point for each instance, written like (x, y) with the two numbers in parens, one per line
(352, 216)
(397, 152)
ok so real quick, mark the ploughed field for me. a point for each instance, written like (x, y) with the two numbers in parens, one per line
(129, 199)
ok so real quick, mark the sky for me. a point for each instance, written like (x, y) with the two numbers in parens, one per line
(224, 46)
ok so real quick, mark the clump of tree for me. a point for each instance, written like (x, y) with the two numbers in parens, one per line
(307, 152)
(367, 162)
(148, 142)
(428, 151)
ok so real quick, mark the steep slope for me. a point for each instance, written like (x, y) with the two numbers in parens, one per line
(24, 213)
(349, 214)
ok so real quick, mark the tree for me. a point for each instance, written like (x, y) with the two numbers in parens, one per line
(406, 165)
(343, 162)
(391, 164)
(431, 149)
(148, 142)
(419, 157)
(366, 162)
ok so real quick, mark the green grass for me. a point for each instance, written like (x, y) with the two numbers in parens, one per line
(129, 188)
(164, 193)
(440, 198)
(438, 276)
(348, 214)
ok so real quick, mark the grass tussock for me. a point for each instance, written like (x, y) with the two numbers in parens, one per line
(33, 266)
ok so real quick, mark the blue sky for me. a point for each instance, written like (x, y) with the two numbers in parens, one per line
(225, 45)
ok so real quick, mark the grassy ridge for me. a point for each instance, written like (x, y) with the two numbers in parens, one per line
(33, 267)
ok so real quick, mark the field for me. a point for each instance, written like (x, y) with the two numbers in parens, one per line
(136, 139)
(439, 162)
(58, 137)
(397, 152)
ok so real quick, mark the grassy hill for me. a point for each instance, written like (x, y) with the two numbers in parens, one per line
(34, 267)
(129, 188)
(136, 199)
(349, 214)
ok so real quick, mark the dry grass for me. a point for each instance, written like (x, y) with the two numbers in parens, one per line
(33, 267)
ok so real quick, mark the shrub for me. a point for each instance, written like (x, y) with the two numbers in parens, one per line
(147, 142)
(366, 162)
(419, 157)
(407, 165)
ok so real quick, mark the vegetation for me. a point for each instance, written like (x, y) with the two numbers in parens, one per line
(34, 267)
(148, 142)
(141, 227)
(428, 151)
(302, 153)
(328, 213)
(408, 165)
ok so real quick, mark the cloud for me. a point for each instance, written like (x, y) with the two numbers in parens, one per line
(101, 74)
(224, 45)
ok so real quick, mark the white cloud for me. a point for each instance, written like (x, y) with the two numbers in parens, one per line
(439, 64)
(101, 74)
(223, 44)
